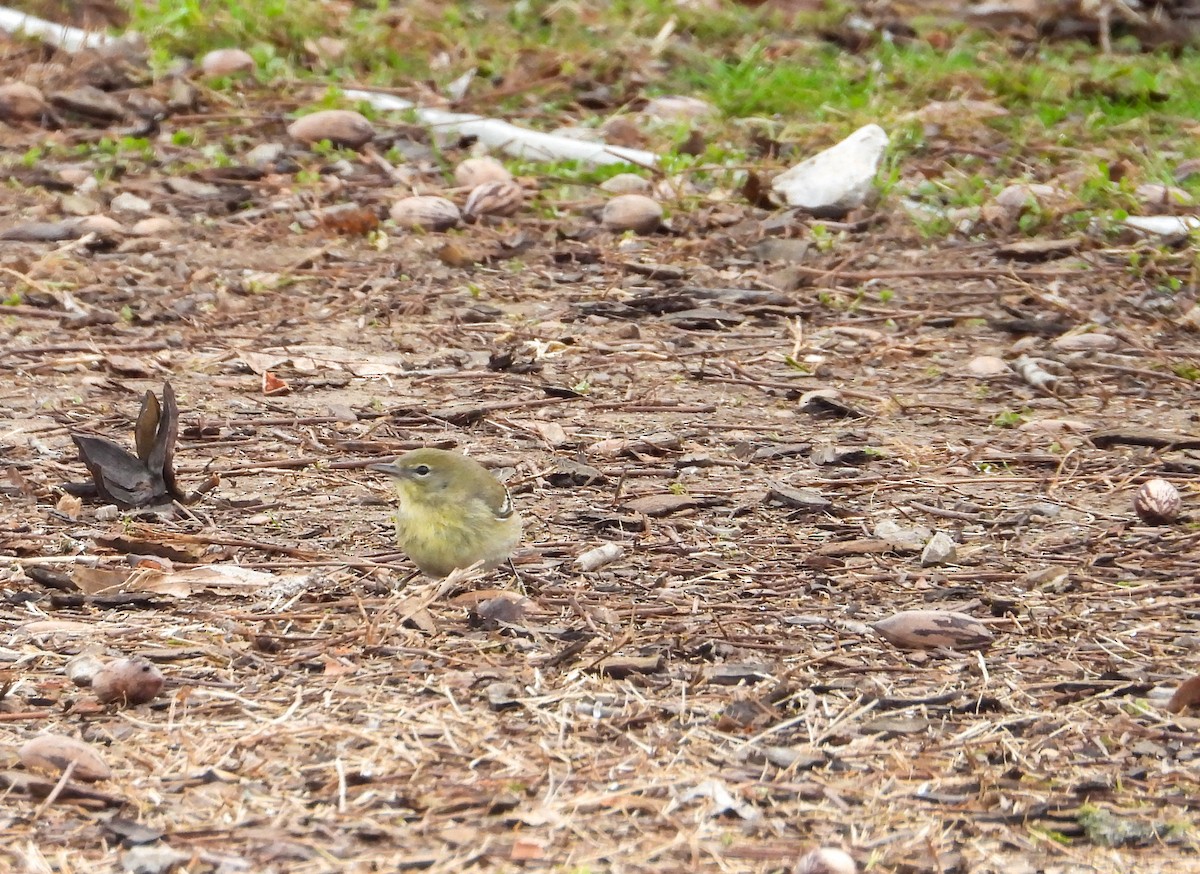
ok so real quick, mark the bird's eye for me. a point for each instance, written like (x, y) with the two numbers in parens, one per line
(421, 470)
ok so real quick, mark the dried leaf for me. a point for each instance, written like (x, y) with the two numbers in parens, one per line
(70, 506)
(95, 581)
(273, 385)
(225, 578)
(149, 478)
(1187, 695)
(119, 477)
(147, 425)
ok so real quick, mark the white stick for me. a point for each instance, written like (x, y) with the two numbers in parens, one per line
(61, 36)
(514, 140)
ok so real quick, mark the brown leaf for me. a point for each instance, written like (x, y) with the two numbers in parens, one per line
(273, 385)
(526, 850)
(147, 479)
(756, 192)
(119, 477)
(70, 506)
(659, 443)
(1187, 695)
(127, 365)
(162, 457)
(147, 425)
(934, 629)
(94, 581)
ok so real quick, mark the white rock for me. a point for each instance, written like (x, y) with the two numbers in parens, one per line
(226, 62)
(626, 183)
(264, 154)
(131, 203)
(1021, 195)
(910, 539)
(826, 860)
(987, 366)
(838, 179)
(155, 226)
(1154, 194)
(940, 549)
(342, 127)
(1090, 342)
(476, 171)
(19, 100)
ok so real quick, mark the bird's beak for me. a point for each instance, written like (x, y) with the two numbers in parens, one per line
(389, 469)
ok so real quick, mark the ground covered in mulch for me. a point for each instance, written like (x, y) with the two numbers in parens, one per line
(715, 698)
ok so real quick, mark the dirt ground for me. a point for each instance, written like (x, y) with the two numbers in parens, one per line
(716, 698)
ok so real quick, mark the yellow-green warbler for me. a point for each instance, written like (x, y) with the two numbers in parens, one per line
(452, 512)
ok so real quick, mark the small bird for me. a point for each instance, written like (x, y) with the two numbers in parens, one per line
(453, 512)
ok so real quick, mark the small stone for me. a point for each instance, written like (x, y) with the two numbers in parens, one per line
(906, 539)
(1089, 342)
(264, 154)
(988, 367)
(90, 101)
(476, 171)
(1022, 196)
(100, 225)
(21, 102)
(342, 127)
(82, 668)
(626, 183)
(226, 62)
(826, 860)
(632, 212)
(77, 204)
(837, 180)
(1154, 194)
(131, 203)
(493, 198)
(155, 226)
(940, 550)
